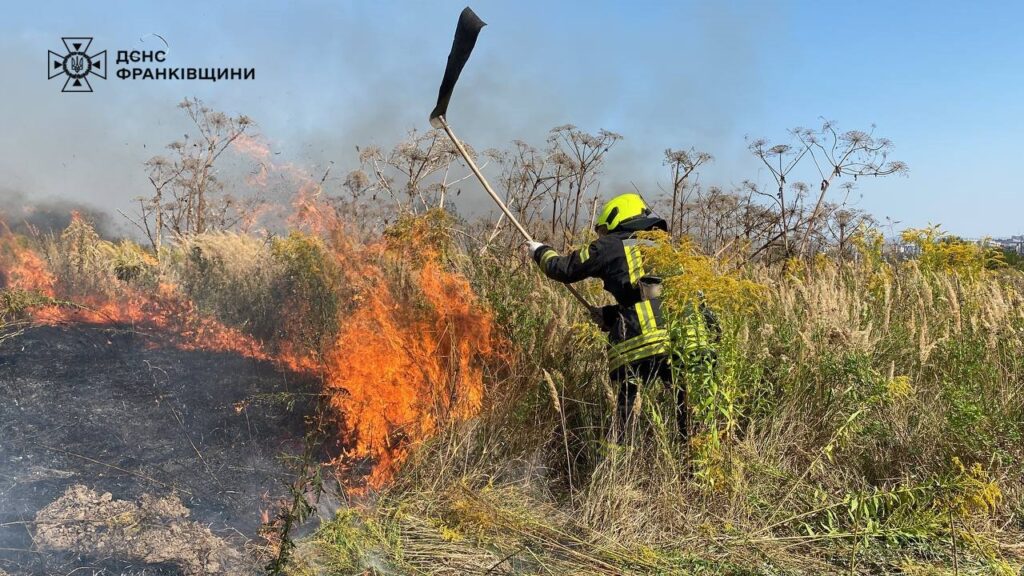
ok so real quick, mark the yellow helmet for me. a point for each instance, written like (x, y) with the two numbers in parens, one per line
(619, 209)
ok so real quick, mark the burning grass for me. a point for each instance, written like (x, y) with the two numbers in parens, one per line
(409, 361)
(865, 417)
(402, 345)
(79, 278)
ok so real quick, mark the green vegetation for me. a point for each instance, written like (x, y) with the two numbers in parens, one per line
(865, 418)
(280, 290)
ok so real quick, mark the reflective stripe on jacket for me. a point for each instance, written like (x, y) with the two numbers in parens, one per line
(636, 328)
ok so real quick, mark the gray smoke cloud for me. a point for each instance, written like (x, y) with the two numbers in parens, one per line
(331, 77)
(29, 216)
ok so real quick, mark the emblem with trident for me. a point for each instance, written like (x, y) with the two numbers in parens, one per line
(77, 64)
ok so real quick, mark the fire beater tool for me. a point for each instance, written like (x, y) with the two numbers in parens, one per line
(466, 32)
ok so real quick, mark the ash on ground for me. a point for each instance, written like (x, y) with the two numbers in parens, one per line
(126, 457)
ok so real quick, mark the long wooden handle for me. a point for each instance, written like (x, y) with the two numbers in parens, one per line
(480, 176)
(497, 199)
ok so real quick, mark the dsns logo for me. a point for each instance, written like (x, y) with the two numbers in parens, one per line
(77, 64)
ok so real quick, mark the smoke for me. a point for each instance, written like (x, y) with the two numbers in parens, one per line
(695, 82)
(48, 216)
(86, 152)
(333, 77)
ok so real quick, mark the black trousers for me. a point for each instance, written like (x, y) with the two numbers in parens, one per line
(697, 367)
(646, 372)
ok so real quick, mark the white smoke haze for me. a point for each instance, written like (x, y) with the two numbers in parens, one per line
(342, 83)
(333, 76)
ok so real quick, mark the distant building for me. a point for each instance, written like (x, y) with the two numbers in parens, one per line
(898, 249)
(1013, 243)
(902, 250)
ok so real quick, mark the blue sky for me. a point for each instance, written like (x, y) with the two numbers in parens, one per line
(944, 81)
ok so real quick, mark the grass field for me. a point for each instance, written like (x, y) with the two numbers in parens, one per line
(865, 416)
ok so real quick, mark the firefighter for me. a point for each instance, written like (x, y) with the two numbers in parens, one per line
(640, 350)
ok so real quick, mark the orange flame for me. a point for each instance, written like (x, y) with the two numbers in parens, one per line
(21, 268)
(253, 147)
(166, 310)
(409, 358)
(258, 151)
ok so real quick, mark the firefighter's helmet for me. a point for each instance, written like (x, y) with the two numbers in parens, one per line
(619, 209)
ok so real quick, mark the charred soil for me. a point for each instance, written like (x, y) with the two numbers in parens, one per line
(108, 418)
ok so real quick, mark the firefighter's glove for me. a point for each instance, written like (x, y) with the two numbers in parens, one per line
(529, 250)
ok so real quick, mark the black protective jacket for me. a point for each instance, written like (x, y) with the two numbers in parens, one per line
(635, 327)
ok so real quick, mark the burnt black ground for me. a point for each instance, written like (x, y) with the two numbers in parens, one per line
(76, 402)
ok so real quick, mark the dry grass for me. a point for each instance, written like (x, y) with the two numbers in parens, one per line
(864, 418)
